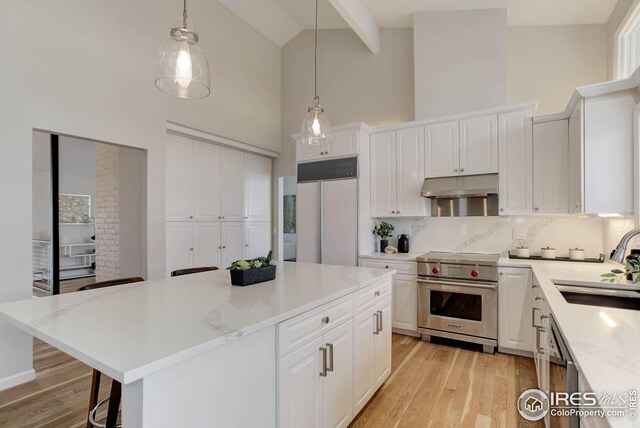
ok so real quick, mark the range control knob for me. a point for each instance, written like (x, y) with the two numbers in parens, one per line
(435, 271)
(475, 273)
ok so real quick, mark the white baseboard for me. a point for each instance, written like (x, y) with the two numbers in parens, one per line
(17, 379)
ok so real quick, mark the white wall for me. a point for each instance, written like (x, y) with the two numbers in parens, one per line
(494, 234)
(549, 62)
(460, 61)
(87, 69)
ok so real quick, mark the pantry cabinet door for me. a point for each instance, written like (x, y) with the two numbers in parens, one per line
(232, 243)
(442, 145)
(257, 188)
(410, 172)
(206, 244)
(257, 240)
(206, 182)
(383, 174)
(479, 145)
(179, 157)
(232, 187)
(179, 250)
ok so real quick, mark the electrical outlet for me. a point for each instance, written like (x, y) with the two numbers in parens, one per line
(519, 233)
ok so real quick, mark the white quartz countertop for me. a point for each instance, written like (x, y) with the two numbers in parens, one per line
(605, 342)
(410, 257)
(130, 331)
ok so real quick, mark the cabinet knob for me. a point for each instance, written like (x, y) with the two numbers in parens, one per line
(190, 216)
(377, 293)
(461, 169)
(501, 210)
(455, 170)
(397, 212)
(386, 267)
(246, 245)
(393, 212)
(325, 320)
(219, 217)
(246, 218)
(190, 249)
(219, 248)
(537, 209)
(224, 246)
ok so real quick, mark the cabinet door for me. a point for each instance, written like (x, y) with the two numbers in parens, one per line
(405, 302)
(383, 174)
(206, 244)
(514, 309)
(516, 163)
(337, 388)
(206, 182)
(410, 172)
(382, 345)
(232, 188)
(363, 356)
(479, 145)
(442, 145)
(232, 243)
(550, 167)
(300, 387)
(342, 144)
(306, 152)
(257, 240)
(179, 157)
(257, 188)
(179, 239)
(576, 160)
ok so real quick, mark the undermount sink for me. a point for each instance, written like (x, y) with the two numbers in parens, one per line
(603, 297)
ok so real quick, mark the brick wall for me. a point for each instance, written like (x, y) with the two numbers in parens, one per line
(107, 227)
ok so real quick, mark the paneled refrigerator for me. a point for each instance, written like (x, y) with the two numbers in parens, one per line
(327, 212)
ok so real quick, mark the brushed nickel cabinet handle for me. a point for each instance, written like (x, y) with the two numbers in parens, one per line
(376, 331)
(323, 373)
(380, 321)
(330, 347)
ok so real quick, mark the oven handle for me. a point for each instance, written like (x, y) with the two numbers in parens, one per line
(458, 284)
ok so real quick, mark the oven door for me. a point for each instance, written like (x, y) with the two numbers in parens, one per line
(458, 307)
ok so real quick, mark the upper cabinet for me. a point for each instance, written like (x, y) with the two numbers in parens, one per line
(206, 182)
(465, 147)
(550, 171)
(576, 165)
(516, 163)
(345, 142)
(479, 145)
(397, 173)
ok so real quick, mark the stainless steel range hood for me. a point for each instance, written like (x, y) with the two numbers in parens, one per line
(471, 195)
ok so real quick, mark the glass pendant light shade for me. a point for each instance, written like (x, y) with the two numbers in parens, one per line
(182, 70)
(316, 128)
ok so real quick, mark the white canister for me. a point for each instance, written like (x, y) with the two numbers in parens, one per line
(548, 253)
(522, 251)
(576, 254)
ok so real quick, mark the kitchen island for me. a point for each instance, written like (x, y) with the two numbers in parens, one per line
(196, 351)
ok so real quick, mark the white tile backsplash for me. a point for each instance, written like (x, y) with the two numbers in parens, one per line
(495, 234)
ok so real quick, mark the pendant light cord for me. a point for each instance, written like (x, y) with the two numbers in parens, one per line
(315, 59)
(184, 13)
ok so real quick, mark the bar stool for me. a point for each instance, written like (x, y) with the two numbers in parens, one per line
(189, 271)
(115, 395)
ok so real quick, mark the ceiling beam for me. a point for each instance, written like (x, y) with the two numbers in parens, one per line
(360, 20)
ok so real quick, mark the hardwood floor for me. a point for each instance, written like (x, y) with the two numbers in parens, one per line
(431, 385)
(58, 397)
(436, 385)
(66, 286)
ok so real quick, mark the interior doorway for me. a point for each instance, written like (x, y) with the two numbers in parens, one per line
(287, 238)
(89, 212)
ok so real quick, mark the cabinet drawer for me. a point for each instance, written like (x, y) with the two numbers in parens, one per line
(407, 268)
(372, 294)
(298, 331)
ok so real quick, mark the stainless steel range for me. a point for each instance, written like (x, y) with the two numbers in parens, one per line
(458, 297)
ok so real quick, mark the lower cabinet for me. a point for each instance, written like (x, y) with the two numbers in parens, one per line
(332, 359)
(515, 298)
(405, 302)
(213, 243)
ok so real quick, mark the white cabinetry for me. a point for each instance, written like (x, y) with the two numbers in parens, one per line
(330, 363)
(576, 163)
(516, 163)
(515, 331)
(550, 167)
(206, 182)
(231, 193)
(179, 236)
(345, 142)
(479, 145)
(465, 147)
(257, 182)
(206, 244)
(397, 171)
(257, 239)
(178, 189)
(231, 243)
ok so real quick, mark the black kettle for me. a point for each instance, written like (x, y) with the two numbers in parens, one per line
(403, 243)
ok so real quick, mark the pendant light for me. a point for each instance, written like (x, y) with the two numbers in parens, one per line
(316, 128)
(182, 69)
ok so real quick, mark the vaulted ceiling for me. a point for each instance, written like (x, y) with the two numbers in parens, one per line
(282, 20)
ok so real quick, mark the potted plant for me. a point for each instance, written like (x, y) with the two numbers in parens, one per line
(247, 272)
(383, 230)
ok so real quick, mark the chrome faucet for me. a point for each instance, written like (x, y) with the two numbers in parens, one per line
(621, 250)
